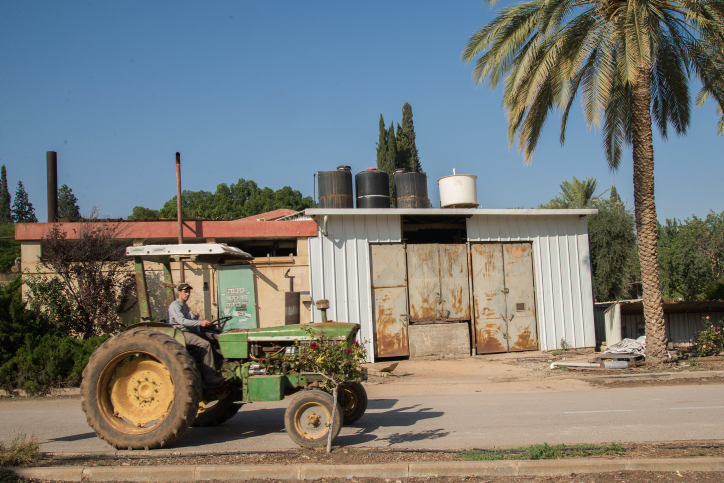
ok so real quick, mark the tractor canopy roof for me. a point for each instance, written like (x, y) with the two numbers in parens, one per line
(201, 252)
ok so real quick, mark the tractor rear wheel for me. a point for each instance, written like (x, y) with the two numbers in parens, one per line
(353, 399)
(308, 418)
(140, 390)
(213, 413)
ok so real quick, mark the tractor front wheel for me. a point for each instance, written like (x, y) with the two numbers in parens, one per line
(353, 401)
(308, 418)
(140, 390)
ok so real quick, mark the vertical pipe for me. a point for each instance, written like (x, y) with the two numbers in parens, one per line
(142, 290)
(179, 214)
(51, 161)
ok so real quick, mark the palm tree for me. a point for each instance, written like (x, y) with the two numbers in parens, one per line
(631, 60)
(578, 194)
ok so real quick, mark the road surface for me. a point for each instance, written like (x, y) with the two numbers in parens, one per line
(435, 416)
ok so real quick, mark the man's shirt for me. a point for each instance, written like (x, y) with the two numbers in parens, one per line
(180, 317)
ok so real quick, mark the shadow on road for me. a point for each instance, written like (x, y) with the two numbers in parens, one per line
(75, 437)
(394, 418)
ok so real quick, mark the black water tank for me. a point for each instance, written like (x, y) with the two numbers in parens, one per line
(373, 189)
(411, 189)
(335, 188)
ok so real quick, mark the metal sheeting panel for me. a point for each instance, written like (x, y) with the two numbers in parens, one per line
(423, 267)
(339, 267)
(681, 328)
(520, 303)
(562, 270)
(389, 309)
(454, 282)
(489, 298)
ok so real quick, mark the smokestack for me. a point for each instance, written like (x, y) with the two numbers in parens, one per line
(51, 159)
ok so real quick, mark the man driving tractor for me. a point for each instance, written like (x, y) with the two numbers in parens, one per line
(199, 344)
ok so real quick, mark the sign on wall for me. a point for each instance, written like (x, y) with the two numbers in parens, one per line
(237, 297)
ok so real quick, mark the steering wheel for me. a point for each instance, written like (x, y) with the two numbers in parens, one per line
(219, 324)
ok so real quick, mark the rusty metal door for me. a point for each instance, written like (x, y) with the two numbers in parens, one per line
(438, 283)
(454, 282)
(522, 334)
(489, 298)
(423, 268)
(503, 297)
(389, 290)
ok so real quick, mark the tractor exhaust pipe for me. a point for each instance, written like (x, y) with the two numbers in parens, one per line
(179, 214)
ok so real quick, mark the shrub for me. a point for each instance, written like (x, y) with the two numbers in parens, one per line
(710, 341)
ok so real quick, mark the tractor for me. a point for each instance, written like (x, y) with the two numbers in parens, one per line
(141, 389)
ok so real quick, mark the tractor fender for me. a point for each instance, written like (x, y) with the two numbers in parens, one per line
(161, 327)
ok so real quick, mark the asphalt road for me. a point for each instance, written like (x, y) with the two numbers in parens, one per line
(435, 420)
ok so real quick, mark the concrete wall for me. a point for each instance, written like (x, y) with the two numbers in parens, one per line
(270, 284)
(438, 340)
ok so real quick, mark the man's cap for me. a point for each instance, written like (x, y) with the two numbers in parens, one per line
(184, 286)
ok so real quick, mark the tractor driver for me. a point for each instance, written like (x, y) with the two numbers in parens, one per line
(199, 344)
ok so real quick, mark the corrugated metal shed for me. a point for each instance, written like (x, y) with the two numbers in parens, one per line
(340, 263)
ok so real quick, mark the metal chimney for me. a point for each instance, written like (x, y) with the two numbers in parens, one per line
(51, 159)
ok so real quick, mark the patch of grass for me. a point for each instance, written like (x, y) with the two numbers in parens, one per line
(23, 451)
(542, 452)
(557, 353)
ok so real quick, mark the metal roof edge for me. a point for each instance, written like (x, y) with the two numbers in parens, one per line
(447, 211)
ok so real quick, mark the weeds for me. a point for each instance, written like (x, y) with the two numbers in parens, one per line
(565, 345)
(542, 452)
(23, 450)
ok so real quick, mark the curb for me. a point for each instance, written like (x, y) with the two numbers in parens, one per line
(387, 470)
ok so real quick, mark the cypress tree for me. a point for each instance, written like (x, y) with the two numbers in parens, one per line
(409, 129)
(67, 204)
(5, 215)
(403, 149)
(23, 211)
(391, 161)
(381, 145)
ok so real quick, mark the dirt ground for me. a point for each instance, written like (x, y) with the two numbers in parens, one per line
(341, 456)
(617, 477)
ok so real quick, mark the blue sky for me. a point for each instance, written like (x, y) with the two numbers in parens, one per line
(275, 91)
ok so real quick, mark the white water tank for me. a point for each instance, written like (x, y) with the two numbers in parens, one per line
(458, 191)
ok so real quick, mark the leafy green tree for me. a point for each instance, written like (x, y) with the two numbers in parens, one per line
(630, 59)
(691, 257)
(408, 128)
(612, 238)
(23, 211)
(140, 213)
(381, 145)
(9, 248)
(5, 215)
(67, 204)
(578, 194)
(402, 160)
(391, 161)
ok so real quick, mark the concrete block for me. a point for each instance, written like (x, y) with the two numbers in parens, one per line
(386, 470)
(51, 473)
(434, 469)
(140, 473)
(435, 340)
(246, 472)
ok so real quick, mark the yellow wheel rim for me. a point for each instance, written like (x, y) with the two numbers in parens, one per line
(350, 400)
(137, 392)
(312, 420)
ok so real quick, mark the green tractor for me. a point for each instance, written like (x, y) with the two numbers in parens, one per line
(142, 390)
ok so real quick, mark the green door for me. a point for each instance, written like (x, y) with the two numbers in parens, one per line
(237, 297)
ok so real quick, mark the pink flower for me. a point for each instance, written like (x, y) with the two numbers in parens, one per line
(355, 343)
(704, 347)
(348, 351)
(304, 357)
(313, 345)
(707, 317)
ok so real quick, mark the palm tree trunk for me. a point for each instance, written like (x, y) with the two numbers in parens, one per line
(645, 209)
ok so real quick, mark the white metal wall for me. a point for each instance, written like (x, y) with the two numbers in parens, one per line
(562, 270)
(339, 267)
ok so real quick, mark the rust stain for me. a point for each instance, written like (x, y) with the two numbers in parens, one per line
(390, 343)
(516, 250)
(488, 343)
(525, 341)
